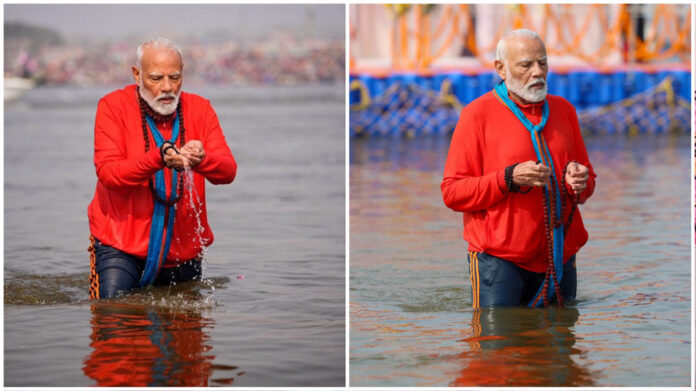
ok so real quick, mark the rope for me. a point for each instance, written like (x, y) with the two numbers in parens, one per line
(93, 277)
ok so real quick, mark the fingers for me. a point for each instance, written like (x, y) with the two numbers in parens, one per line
(193, 150)
(578, 187)
(576, 177)
(577, 170)
(531, 173)
(176, 161)
(193, 157)
(188, 156)
(194, 146)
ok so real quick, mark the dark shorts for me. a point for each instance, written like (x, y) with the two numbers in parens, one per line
(114, 271)
(497, 282)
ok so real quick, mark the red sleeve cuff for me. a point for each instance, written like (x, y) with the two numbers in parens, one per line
(154, 159)
(501, 181)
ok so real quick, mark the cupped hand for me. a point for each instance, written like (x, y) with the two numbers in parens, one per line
(193, 151)
(174, 159)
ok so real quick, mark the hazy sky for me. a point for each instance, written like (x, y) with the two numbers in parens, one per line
(108, 21)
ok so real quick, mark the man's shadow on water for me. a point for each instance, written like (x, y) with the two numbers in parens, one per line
(519, 346)
(137, 343)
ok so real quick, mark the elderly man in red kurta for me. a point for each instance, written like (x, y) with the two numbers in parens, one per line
(517, 168)
(154, 147)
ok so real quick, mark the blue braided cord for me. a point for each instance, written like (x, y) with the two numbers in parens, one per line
(152, 262)
(502, 92)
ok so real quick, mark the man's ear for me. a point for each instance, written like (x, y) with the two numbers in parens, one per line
(136, 74)
(500, 68)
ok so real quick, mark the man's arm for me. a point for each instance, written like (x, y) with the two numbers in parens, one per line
(464, 186)
(581, 176)
(216, 161)
(114, 169)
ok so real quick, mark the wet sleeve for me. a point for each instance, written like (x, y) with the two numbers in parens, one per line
(114, 169)
(465, 188)
(218, 166)
(582, 158)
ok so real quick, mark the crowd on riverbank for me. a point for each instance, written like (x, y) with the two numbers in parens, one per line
(284, 60)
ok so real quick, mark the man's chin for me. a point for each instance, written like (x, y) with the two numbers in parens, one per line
(164, 109)
(536, 97)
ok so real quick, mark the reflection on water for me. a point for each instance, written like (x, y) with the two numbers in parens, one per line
(410, 304)
(141, 346)
(528, 348)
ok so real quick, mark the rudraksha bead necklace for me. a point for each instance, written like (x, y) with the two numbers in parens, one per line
(549, 205)
(146, 110)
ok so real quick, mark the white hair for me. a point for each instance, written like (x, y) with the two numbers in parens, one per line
(157, 43)
(501, 47)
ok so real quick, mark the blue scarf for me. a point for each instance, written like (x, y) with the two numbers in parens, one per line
(157, 250)
(543, 155)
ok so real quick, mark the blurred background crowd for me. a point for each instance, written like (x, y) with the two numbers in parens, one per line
(280, 60)
(299, 54)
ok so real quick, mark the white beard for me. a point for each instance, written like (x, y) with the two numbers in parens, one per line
(153, 101)
(524, 91)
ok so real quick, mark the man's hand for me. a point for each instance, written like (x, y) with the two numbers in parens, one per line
(193, 151)
(173, 159)
(531, 173)
(576, 176)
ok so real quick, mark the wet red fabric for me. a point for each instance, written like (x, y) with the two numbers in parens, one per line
(120, 213)
(488, 138)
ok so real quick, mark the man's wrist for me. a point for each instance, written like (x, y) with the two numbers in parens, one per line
(510, 181)
(166, 146)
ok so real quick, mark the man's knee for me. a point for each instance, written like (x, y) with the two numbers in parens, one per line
(115, 271)
(114, 280)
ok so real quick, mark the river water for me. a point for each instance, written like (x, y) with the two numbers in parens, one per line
(271, 308)
(410, 298)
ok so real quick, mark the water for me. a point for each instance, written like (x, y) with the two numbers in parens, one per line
(410, 298)
(271, 308)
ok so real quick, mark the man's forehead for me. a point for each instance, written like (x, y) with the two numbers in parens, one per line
(177, 73)
(161, 56)
(528, 59)
(523, 47)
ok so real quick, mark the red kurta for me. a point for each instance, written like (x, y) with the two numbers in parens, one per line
(120, 213)
(488, 138)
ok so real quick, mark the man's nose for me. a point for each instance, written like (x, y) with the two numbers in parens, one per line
(537, 70)
(166, 85)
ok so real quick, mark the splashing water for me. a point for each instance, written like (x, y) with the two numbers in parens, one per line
(197, 207)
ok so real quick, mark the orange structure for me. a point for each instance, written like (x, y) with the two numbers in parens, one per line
(420, 36)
